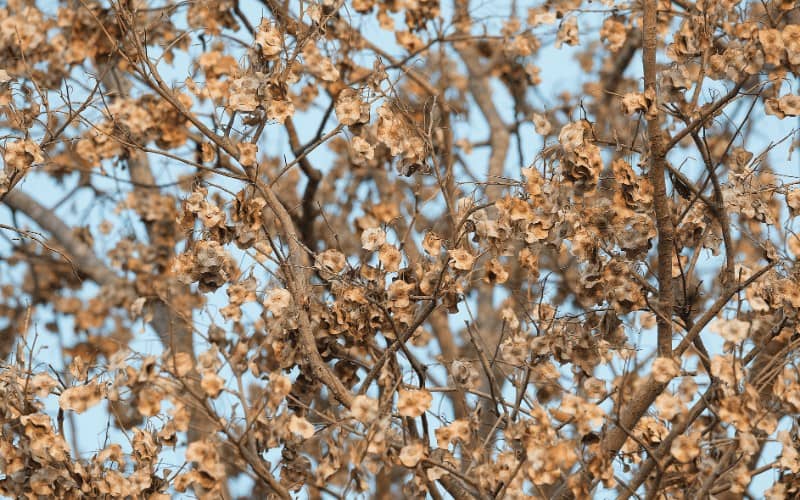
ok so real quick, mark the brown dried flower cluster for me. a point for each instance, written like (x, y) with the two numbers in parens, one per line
(263, 249)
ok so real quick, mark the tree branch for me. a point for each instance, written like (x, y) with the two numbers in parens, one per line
(656, 174)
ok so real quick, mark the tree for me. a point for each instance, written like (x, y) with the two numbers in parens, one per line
(386, 258)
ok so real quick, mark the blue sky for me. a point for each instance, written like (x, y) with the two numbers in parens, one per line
(559, 71)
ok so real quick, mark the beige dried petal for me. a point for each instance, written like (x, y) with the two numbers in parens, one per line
(594, 387)
(790, 458)
(432, 243)
(331, 260)
(277, 301)
(461, 259)
(348, 107)
(533, 73)
(279, 388)
(793, 201)
(211, 383)
(668, 406)
(372, 238)
(269, 39)
(678, 264)
(542, 15)
(725, 369)
(399, 292)
(244, 291)
(571, 136)
(568, 32)
(748, 443)
(326, 70)
(314, 12)
(793, 243)
(247, 153)
(732, 330)
(211, 216)
(205, 455)
(412, 454)
(665, 369)
(496, 273)
(522, 45)
(22, 154)
(301, 426)
(364, 409)
(758, 304)
(685, 448)
(613, 33)
(390, 258)
(148, 401)
(362, 148)
(585, 415)
(210, 358)
(633, 102)
(458, 431)
(687, 389)
(435, 473)
(81, 398)
(541, 124)
(413, 402)
(181, 416)
(790, 105)
(137, 306)
(35, 422)
(262, 251)
(242, 94)
(772, 43)
(42, 383)
(791, 40)
(515, 349)
(409, 41)
(207, 152)
(386, 212)
(280, 110)
(534, 179)
(772, 107)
